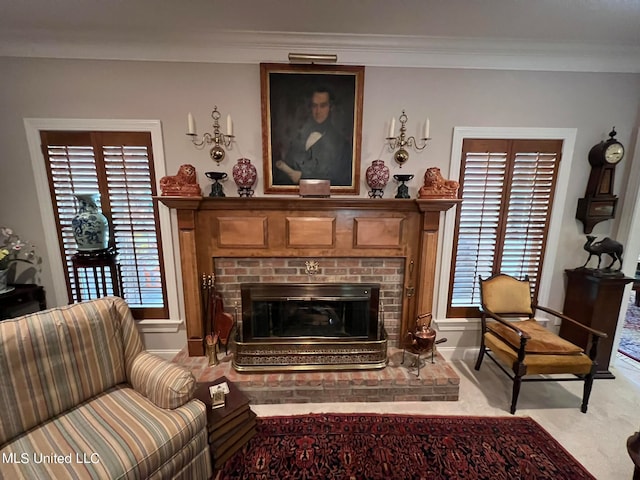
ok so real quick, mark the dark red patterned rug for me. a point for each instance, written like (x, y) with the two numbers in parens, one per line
(368, 446)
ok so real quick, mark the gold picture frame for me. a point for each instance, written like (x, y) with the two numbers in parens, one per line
(311, 126)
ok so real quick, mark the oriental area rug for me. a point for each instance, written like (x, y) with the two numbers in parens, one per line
(374, 446)
(630, 336)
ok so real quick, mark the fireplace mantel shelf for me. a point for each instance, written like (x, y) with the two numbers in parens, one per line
(296, 203)
(276, 227)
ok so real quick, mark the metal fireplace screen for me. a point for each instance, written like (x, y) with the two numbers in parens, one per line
(307, 311)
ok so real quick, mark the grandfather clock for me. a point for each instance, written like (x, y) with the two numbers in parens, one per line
(594, 298)
(599, 202)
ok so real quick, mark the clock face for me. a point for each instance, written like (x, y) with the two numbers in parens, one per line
(614, 153)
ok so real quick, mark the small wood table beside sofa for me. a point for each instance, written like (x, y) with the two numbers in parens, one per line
(81, 398)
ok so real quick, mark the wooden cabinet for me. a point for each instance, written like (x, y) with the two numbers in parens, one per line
(594, 298)
(22, 300)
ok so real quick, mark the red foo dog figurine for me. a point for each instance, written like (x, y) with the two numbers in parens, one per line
(181, 185)
(437, 187)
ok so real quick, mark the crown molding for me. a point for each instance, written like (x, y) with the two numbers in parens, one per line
(251, 47)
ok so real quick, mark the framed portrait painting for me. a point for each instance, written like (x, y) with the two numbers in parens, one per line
(311, 126)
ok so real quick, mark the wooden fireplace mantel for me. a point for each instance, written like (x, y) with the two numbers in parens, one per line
(210, 228)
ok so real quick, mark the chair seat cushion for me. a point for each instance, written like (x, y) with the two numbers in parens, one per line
(579, 364)
(542, 342)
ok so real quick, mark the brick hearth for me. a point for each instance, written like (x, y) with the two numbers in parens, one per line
(395, 383)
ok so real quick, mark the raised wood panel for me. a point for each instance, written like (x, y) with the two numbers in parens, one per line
(311, 231)
(428, 260)
(191, 288)
(242, 232)
(377, 232)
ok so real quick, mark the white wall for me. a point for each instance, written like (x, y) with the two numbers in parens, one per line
(45, 88)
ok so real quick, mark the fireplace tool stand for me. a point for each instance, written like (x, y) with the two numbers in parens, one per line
(418, 360)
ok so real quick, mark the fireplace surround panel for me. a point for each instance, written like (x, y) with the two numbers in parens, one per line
(210, 228)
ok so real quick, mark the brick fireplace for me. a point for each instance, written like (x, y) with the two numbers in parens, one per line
(232, 273)
(368, 347)
(392, 242)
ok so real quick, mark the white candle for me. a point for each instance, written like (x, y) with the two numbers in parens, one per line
(191, 125)
(392, 127)
(426, 129)
(229, 125)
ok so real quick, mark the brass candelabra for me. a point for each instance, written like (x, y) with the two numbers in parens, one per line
(219, 140)
(400, 143)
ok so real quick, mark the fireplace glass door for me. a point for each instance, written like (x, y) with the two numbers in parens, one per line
(308, 311)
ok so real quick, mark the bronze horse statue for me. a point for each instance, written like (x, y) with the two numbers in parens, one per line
(607, 246)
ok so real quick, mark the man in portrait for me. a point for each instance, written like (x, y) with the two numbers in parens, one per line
(317, 149)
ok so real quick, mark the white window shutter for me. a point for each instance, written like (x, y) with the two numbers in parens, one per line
(119, 167)
(507, 193)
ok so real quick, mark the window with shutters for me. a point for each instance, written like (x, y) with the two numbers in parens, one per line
(119, 167)
(507, 189)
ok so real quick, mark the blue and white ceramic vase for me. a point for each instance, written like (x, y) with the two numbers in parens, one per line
(90, 226)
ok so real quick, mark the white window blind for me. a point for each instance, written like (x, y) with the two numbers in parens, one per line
(507, 194)
(119, 167)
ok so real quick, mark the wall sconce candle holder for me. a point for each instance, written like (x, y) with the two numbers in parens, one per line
(400, 143)
(219, 140)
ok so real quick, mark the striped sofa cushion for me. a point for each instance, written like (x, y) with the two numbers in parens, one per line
(53, 360)
(164, 383)
(132, 342)
(119, 434)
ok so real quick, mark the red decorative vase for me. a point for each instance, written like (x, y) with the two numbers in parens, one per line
(244, 174)
(377, 178)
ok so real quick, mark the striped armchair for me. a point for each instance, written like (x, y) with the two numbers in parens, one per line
(81, 398)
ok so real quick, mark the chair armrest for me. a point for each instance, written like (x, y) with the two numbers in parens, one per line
(506, 323)
(524, 336)
(592, 331)
(164, 383)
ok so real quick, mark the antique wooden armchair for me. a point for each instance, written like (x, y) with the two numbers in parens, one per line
(524, 345)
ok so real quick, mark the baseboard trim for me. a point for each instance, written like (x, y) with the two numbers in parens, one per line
(459, 353)
(159, 325)
(458, 324)
(166, 354)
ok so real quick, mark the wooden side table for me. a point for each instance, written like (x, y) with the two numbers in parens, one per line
(594, 298)
(23, 299)
(96, 274)
(230, 427)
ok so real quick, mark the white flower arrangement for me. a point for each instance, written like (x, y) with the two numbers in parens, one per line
(13, 249)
